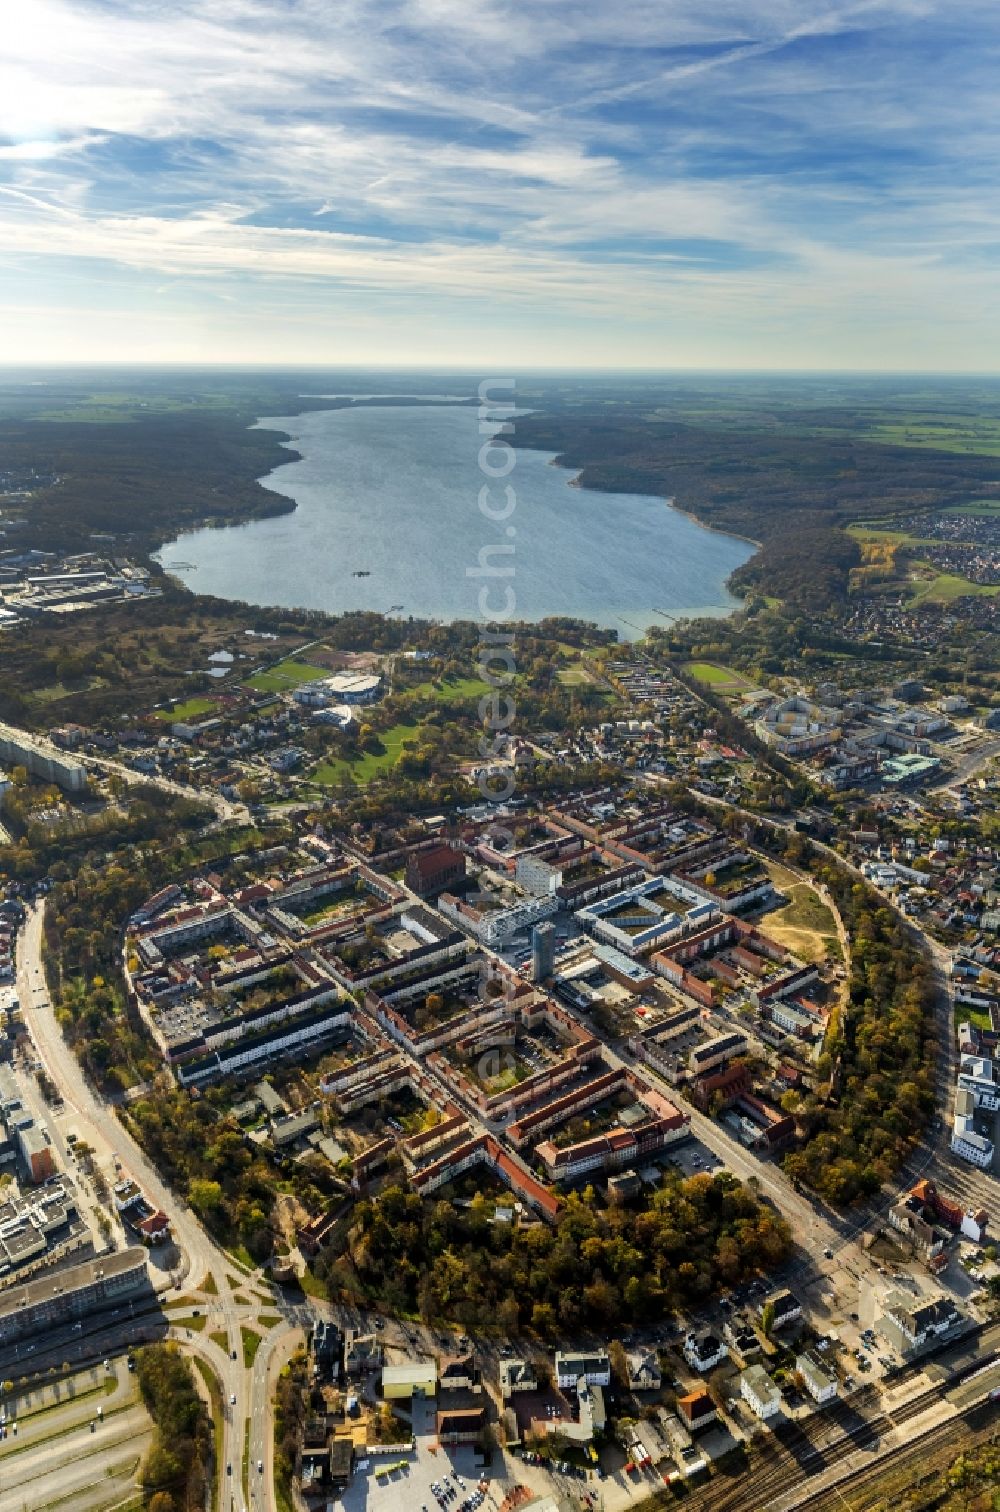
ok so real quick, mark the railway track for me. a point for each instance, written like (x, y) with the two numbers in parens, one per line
(791, 1456)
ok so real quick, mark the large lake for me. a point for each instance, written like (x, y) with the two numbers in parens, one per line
(393, 492)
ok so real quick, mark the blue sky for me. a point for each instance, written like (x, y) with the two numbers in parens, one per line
(635, 183)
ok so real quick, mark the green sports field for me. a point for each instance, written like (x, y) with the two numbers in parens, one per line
(287, 675)
(715, 676)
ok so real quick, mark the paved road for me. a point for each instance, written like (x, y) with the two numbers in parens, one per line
(203, 1256)
(76, 1463)
(968, 765)
(226, 811)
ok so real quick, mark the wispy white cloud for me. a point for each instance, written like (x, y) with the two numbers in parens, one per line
(653, 164)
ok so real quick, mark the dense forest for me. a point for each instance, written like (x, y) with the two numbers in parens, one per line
(881, 1054)
(790, 492)
(177, 1470)
(207, 1159)
(597, 1268)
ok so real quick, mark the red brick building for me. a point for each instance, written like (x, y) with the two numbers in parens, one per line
(433, 870)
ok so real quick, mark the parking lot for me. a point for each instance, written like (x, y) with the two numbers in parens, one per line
(692, 1158)
(412, 1488)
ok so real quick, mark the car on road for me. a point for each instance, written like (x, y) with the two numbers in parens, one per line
(232, 1399)
(260, 1467)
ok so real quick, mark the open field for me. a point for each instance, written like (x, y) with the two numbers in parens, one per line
(878, 547)
(985, 507)
(977, 434)
(456, 690)
(116, 408)
(875, 534)
(944, 587)
(805, 924)
(329, 773)
(573, 677)
(192, 708)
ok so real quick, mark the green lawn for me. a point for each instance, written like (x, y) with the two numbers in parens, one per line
(287, 675)
(457, 690)
(329, 773)
(192, 708)
(978, 435)
(713, 675)
(251, 1344)
(946, 586)
(979, 1018)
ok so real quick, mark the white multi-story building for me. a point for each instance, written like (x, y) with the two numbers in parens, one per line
(976, 1075)
(970, 1146)
(594, 1368)
(911, 1326)
(759, 1392)
(703, 1351)
(820, 1383)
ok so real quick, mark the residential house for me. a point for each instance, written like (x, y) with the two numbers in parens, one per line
(517, 1375)
(696, 1410)
(644, 1370)
(786, 1309)
(362, 1353)
(759, 1392)
(594, 1367)
(458, 1373)
(912, 1327)
(820, 1382)
(703, 1350)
